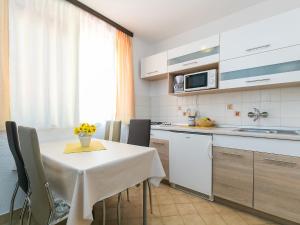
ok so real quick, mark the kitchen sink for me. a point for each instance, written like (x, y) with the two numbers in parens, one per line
(269, 131)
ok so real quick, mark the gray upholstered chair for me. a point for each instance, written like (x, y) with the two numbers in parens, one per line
(139, 134)
(43, 208)
(22, 182)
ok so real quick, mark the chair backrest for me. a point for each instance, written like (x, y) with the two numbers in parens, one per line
(14, 146)
(41, 199)
(139, 132)
(113, 131)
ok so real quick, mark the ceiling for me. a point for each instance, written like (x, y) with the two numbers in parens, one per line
(155, 20)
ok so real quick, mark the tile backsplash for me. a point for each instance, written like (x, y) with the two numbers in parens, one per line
(282, 104)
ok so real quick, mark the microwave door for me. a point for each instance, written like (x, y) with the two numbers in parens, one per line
(196, 82)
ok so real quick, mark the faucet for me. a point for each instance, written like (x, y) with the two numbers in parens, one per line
(257, 114)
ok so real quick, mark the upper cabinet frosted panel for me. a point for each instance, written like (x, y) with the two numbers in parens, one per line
(202, 52)
(273, 33)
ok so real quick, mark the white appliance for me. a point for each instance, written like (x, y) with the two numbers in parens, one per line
(200, 80)
(191, 161)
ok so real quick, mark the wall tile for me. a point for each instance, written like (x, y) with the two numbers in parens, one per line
(290, 94)
(283, 106)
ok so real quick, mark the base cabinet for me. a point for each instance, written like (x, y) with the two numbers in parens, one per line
(277, 185)
(162, 147)
(233, 175)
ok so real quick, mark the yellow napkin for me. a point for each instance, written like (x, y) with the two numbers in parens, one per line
(76, 147)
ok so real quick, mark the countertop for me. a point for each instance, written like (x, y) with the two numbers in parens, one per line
(225, 131)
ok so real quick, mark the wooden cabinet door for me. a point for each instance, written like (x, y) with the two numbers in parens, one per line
(277, 185)
(162, 147)
(233, 175)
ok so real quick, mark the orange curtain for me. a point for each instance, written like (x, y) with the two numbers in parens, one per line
(4, 72)
(125, 109)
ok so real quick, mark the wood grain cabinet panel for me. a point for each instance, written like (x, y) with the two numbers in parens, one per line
(233, 175)
(162, 147)
(277, 185)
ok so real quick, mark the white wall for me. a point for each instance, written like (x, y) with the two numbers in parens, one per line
(142, 87)
(282, 104)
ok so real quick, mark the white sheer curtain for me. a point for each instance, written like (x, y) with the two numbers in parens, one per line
(97, 78)
(44, 62)
(62, 65)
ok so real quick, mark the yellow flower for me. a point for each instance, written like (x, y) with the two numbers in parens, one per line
(76, 131)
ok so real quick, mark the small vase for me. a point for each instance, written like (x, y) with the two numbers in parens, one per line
(85, 141)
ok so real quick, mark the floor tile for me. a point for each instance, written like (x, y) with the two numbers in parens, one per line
(186, 209)
(213, 219)
(168, 210)
(193, 220)
(172, 220)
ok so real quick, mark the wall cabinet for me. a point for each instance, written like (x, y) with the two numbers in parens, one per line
(233, 175)
(154, 66)
(277, 185)
(162, 147)
(273, 67)
(273, 33)
(199, 53)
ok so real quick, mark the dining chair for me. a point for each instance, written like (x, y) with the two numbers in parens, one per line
(22, 182)
(139, 134)
(113, 131)
(42, 207)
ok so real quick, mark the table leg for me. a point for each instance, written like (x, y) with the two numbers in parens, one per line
(145, 202)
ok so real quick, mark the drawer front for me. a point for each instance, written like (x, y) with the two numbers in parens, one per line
(269, 34)
(162, 147)
(233, 175)
(154, 65)
(277, 185)
(274, 67)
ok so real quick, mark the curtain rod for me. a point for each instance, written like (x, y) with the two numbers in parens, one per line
(100, 16)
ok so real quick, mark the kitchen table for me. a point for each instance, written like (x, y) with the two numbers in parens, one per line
(83, 179)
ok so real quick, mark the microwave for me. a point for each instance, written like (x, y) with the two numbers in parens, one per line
(200, 80)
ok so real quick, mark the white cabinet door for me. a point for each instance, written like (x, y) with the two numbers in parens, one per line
(267, 68)
(191, 161)
(273, 33)
(154, 65)
(195, 54)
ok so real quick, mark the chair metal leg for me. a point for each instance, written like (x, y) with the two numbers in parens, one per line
(103, 212)
(23, 211)
(119, 208)
(150, 196)
(127, 194)
(12, 203)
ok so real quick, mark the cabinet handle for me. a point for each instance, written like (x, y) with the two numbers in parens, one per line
(155, 71)
(280, 162)
(188, 137)
(258, 47)
(258, 80)
(231, 154)
(191, 63)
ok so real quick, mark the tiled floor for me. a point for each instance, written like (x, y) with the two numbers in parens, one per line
(173, 207)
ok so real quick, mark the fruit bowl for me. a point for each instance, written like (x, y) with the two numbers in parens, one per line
(205, 122)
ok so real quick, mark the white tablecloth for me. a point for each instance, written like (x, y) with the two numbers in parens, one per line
(86, 178)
